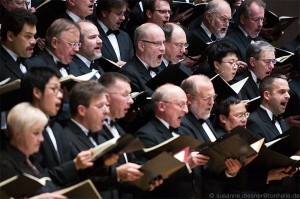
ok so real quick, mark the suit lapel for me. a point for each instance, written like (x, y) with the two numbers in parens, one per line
(268, 122)
(80, 134)
(143, 72)
(10, 64)
(163, 132)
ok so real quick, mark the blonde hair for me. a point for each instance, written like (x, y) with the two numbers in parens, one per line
(23, 116)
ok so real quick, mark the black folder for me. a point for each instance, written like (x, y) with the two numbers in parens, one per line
(108, 65)
(11, 94)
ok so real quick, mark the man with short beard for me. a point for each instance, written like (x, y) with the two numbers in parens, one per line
(90, 49)
(217, 17)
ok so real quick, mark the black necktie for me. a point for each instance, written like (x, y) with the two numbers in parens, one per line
(213, 37)
(173, 130)
(65, 66)
(110, 31)
(20, 60)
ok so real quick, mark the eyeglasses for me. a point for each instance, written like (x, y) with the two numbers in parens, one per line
(231, 63)
(268, 61)
(104, 107)
(119, 14)
(209, 98)
(125, 95)
(20, 2)
(164, 12)
(72, 44)
(157, 44)
(55, 90)
(257, 19)
(224, 19)
(180, 105)
(242, 115)
(181, 45)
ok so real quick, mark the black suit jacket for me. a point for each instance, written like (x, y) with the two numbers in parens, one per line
(45, 59)
(197, 39)
(250, 89)
(138, 74)
(125, 45)
(60, 168)
(260, 124)
(178, 185)
(83, 68)
(8, 66)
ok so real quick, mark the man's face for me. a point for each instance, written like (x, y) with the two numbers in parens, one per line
(152, 47)
(63, 45)
(176, 46)
(91, 45)
(263, 66)
(237, 116)
(84, 8)
(220, 22)
(161, 14)
(114, 18)
(23, 43)
(253, 24)
(96, 112)
(227, 67)
(201, 103)
(175, 108)
(279, 96)
(119, 99)
(50, 101)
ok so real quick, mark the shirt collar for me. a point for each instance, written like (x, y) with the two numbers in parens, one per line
(11, 53)
(163, 122)
(73, 16)
(85, 60)
(270, 114)
(104, 27)
(206, 30)
(85, 130)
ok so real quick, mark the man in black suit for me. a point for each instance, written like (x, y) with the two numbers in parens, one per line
(17, 32)
(117, 45)
(90, 49)
(176, 45)
(89, 107)
(150, 48)
(265, 121)
(251, 17)
(56, 153)
(78, 10)
(201, 95)
(62, 42)
(217, 17)
(170, 105)
(260, 59)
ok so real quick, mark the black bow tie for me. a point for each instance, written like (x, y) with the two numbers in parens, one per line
(201, 121)
(173, 130)
(94, 136)
(111, 123)
(93, 65)
(110, 31)
(276, 118)
(62, 65)
(20, 60)
(213, 37)
(258, 80)
(156, 70)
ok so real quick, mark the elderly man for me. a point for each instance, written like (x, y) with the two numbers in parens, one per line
(260, 57)
(62, 42)
(169, 103)
(251, 17)
(149, 40)
(17, 32)
(214, 27)
(117, 45)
